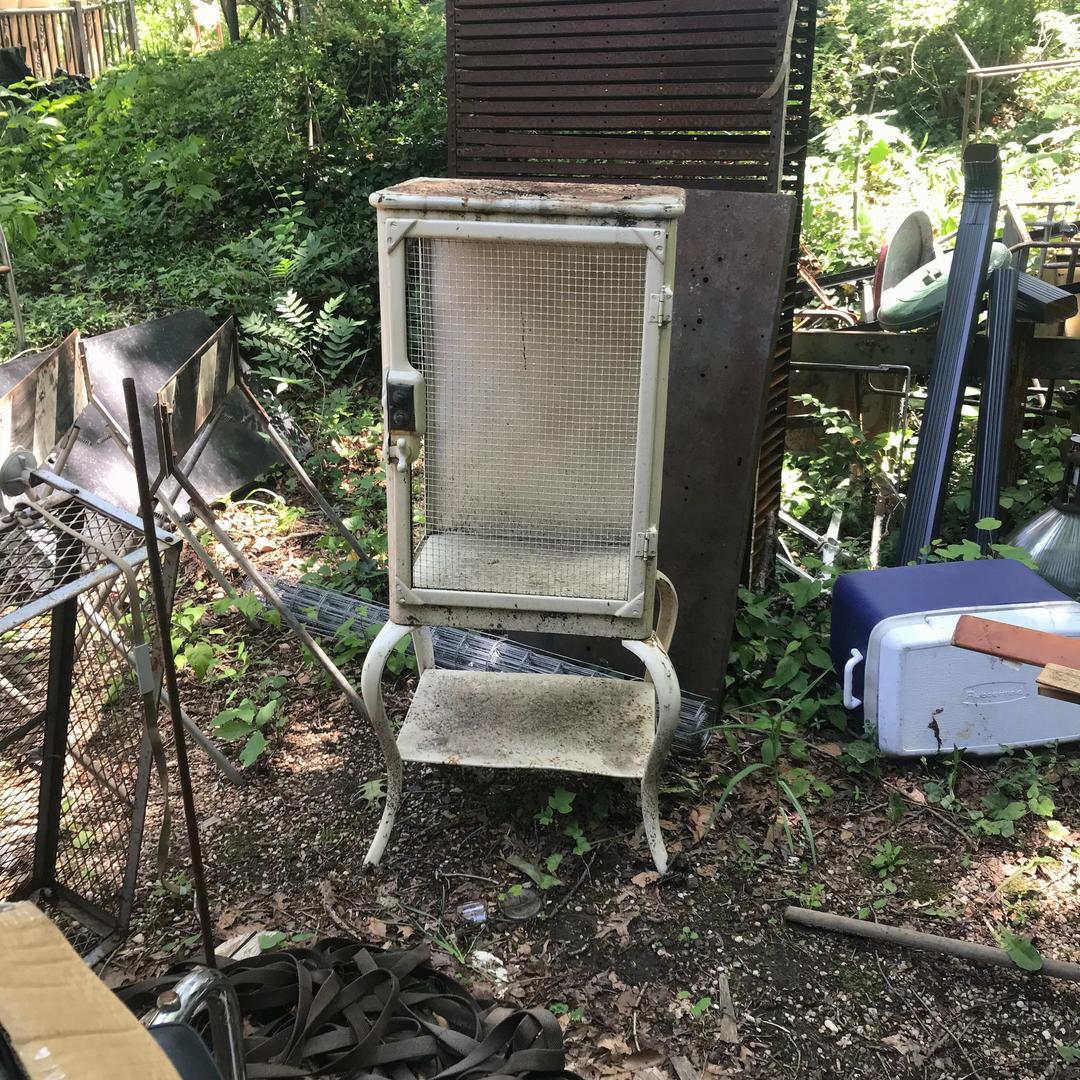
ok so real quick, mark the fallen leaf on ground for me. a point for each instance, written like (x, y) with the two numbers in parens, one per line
(700, 820)
(644, 1059)
(615, 1045)
(646, 877)
(905, 1045)
(227, 918)
(619, 926)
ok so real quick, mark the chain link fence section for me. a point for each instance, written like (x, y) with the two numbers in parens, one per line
(74, 760)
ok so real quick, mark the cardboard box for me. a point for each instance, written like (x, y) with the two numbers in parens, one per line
(61, 1020)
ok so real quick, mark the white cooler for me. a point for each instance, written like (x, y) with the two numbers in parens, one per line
(891, 634)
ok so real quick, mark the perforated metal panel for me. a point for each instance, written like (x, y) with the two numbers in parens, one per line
(531, 357)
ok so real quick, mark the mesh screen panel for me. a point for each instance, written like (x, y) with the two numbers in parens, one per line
(70, 826)
(531, 356)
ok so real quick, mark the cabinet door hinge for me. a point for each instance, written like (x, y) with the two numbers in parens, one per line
(660, 306)
(645, 544)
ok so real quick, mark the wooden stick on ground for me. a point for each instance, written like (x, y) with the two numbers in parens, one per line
(915, 939)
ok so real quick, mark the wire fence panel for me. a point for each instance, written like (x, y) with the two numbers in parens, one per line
(532, 398)
(74, 759)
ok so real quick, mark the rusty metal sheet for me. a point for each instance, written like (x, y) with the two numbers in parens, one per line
(730, 275)
(731, 268)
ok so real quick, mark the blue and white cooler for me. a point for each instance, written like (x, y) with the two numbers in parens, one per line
(891, 647)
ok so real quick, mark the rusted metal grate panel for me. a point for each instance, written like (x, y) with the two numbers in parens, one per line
(687, 90)
(704, 93)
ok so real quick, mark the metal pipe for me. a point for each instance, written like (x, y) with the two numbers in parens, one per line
(941, 416)
(161, 605)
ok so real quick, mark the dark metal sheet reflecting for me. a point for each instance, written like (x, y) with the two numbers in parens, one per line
(730, 274)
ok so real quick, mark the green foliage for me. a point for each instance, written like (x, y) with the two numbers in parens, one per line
(813, 897)
(968, 551)
(558, 811)
(298, 343)
(560, 801)
(903, 55)
(888, 101)
(887, 859)
(696, 1008)
(225, 179)
(1021, 952)
(273, 938)
(560, 1008)
(1021, 787)
(781, 645)
(543, 877)
(214, 656)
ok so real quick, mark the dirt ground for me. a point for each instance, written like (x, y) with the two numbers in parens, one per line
(693, 974)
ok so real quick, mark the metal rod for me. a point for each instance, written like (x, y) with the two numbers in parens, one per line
(989, 436)
(1020, 69)
(941, 416)
(915, 939)
(202, 510)
(54, 749)
(161, 605)
(13, 294)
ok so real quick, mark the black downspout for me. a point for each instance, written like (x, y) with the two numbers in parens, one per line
(941, 416)
(986, 483)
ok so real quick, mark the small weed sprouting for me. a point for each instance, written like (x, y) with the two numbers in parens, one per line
(573, 1016)
(813, 897)
(887, 859)
(695, 1008)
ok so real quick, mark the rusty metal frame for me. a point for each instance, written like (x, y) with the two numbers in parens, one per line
(976, 75)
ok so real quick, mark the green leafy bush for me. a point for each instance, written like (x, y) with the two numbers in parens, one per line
(225, 179)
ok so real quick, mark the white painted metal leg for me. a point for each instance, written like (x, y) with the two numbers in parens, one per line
(371, 689)
(668, 616)
(668, 704)
(424, 648)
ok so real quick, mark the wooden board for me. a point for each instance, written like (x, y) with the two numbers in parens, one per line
(1060, 683)
(1016, 643)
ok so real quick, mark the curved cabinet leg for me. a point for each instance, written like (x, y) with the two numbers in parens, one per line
(371, 689)
(424, 648)
(669, 610)
(668, 704)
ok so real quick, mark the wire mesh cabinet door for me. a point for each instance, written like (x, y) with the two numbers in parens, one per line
(525, 365)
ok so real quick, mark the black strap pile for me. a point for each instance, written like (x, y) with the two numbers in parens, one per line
(337, 1010)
